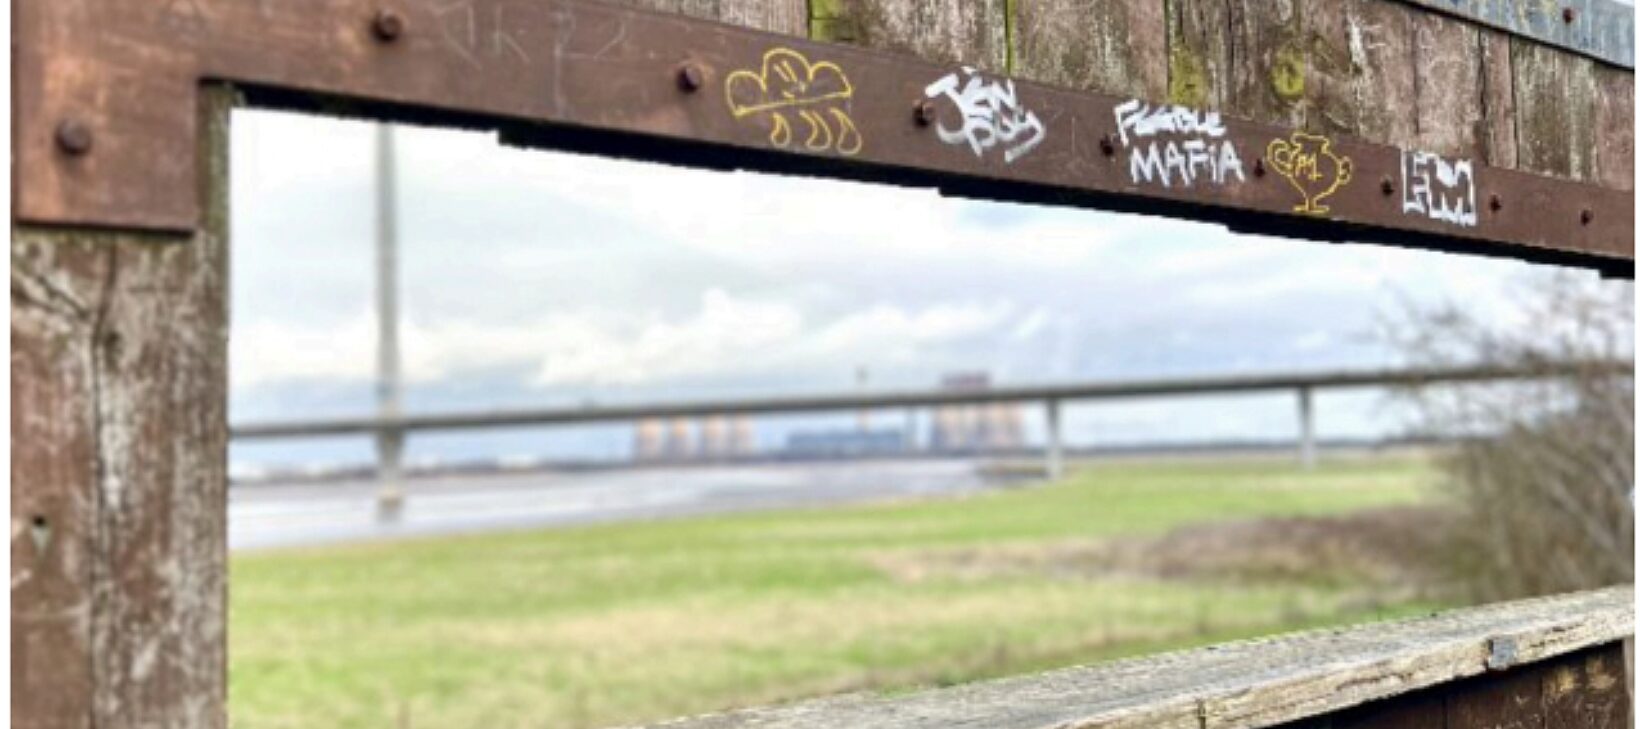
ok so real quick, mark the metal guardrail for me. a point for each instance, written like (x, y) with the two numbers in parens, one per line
(392, 430)
(820, 402)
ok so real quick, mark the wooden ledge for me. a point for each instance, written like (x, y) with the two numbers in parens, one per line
(1254, 683)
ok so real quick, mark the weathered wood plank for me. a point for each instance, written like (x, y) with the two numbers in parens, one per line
(119, 366)
(1243, 57)
(1116, 47)
(776, 16)
(1498, 99)
(1614, 127)
(1512, 699)
(1252, 683)
(1590, 692)
(971, 32)
(55, 299)
(1358, 59)
(1450, 111)
(1555, 110)
(1199, 47)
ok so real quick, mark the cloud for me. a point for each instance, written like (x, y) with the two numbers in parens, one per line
(571, 271)
(725, 336)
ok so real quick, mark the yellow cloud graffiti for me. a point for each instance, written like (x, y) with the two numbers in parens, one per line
(789, 83)
(1308, 162)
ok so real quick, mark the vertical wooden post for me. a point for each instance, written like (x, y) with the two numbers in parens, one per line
(119, 468)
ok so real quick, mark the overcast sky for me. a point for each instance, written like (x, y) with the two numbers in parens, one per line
(534, 278)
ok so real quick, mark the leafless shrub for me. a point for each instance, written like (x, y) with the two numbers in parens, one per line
(1542, 468)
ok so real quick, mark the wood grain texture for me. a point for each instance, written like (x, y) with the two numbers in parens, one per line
(1555, 103)
(1116, 47)
(1450, 110)
(1244, 57)
(776, 16)
(1498, 97)
(1253, 683)
(119, 347)
(1581, 690)
(1358, 62)
(1614, 127)
(971, 32)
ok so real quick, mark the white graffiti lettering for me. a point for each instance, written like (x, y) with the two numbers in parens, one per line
(1440, 189)
(1195, 150)
(991, 115)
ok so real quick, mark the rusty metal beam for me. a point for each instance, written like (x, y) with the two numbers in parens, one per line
(105, 129)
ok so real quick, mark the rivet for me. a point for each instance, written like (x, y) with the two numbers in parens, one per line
(1495, 202)
(74, 137)
(923, 113)
(1387, 186)
(1107, 145)
(387, 25)
(690, 77)
(1258, 167)
(1588, 216)
(1568, 14)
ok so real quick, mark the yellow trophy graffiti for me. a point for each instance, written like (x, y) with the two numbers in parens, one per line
(788, 83)
(1308, 162)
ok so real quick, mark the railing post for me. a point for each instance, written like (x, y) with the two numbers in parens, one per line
(1306, 427)
(1055, 466)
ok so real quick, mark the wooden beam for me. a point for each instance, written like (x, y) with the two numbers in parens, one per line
(1256, 683)
(119, 473)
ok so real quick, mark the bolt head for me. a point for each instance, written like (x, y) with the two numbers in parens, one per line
(1387, 186)
(387, 26)
(1495, 202)
(1587, 216)
(1258, 167)
(690, 77)
(1107, 145)
(74, 137)
(923, 113)
(1568, 14)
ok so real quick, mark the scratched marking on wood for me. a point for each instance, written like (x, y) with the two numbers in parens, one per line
(1358, 68)
(119, 379)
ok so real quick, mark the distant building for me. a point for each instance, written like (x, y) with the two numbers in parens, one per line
(975, 428)
(844, 443)
(741, 442)
(649, 440)
(714, 437)
(679, 444)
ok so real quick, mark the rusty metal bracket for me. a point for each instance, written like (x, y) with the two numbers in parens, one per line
(105, 121)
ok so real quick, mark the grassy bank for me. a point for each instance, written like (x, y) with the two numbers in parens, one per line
(629, 623)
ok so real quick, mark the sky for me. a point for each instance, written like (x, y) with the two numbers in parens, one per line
(534, 278)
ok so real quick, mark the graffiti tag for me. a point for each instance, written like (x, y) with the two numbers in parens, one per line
(788, 83)
(1441, 189)
(991, 115)
(1308, 162)
(1169, 144)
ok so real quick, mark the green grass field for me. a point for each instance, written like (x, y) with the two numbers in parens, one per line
(630, 623)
